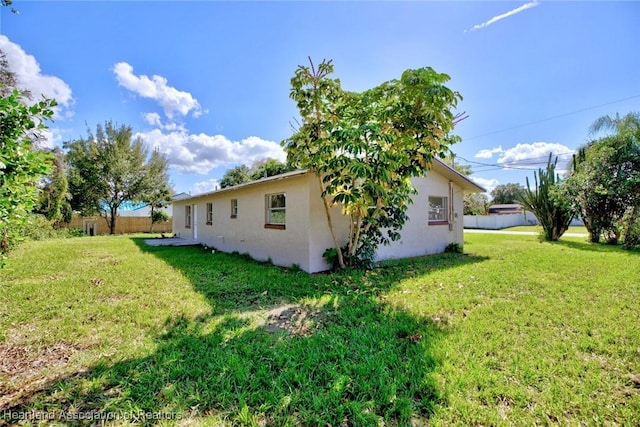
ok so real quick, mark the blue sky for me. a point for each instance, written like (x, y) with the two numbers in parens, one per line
(207, 82)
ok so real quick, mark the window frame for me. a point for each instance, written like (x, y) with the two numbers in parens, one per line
(442, 212)
(209, 211)
(269, 210)
(234, 208)
(187, 216)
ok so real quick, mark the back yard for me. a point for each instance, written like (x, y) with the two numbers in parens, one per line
(514, 332)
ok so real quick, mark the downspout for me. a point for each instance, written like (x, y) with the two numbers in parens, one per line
(451, 210)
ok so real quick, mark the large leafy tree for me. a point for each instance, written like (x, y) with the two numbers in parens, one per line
(605, 181)
(547, 201)
(109, 168)
(365, 147)
(475, 204)
(507, 193)
(259, 169)
(54, 197)
(22, 165)
(235, 176)
(268, 167)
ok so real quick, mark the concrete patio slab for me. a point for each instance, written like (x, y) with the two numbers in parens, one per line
(171, 241)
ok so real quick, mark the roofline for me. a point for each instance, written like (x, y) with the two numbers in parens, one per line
(250, 183)
(465, 178)
(469, 183)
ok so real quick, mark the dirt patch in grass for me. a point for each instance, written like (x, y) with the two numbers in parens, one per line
(22, 367)
(295, 319)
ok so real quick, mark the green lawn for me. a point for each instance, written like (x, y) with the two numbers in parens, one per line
(514, 332)
(538, 229)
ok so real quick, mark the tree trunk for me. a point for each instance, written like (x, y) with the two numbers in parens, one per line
(327, 210)
(151, 229)
(112, 220)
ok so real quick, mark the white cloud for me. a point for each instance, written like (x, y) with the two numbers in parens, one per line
(191, 153)
(153, 119)
(205, 186)
(30, 77)
(53, 137)
(504, 15)
(535, 155)
(155, 87)
(487, 184)
(487, 154)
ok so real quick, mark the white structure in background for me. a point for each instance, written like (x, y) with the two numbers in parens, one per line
(504, 216)
(130, 209)
(282, 218)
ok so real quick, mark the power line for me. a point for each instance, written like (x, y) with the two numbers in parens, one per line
(552, 118)
(516, 164)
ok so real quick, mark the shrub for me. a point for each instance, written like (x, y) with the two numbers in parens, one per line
(631, 231)
(453, 248)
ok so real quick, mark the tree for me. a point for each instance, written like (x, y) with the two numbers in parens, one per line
(629, 123)
(547, 202)
(109, 168)
(159, 194)
(8, 3)
(260, 169)
(54, 197)
(605, 180)
(475, 204)
(365, 147)
(21, 164)
(506, 193)
(158, 216)
(268, 167)
(463, 169)
(235, 176)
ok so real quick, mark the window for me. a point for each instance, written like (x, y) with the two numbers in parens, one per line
(234, 208)
(438, 210)
(209, 213)
(187, 216)
(276, 211)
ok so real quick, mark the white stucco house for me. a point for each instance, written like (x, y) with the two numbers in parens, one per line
(282, 218)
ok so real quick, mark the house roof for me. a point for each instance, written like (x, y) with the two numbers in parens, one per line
(462, 180)
(180, 196)
(249, 184)
(438, 166)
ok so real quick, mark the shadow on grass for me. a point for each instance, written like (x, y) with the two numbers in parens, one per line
(352, 360)
(594, 247)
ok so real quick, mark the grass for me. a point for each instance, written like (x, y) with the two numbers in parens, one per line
(515, 332)
(579, 229)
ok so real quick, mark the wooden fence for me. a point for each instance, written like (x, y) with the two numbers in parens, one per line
(94, 225)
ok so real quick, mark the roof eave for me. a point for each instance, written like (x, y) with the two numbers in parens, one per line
(464, 181)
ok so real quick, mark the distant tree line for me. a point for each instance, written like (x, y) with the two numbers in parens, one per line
(260, 169)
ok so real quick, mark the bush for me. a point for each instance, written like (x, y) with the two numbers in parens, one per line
(38, 227)
(631, 232)
(362, 260)
(453, 248)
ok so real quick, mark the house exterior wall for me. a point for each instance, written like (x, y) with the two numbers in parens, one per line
(179, 228)
(418, 236)
(307, 234)
(319, 233)
(247, 233)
